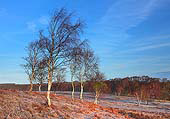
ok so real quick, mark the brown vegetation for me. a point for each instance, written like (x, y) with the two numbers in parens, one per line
(33, 105)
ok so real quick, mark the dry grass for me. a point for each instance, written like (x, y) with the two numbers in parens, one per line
(25, 105)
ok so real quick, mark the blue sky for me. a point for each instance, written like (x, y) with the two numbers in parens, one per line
(131, 37)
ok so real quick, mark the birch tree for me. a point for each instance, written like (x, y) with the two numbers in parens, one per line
(75, 62)
(99, 85)
(86, 67)
(99, 88)
(60, 76)
(63, 32)
(31, 61)
(72, 70)
(41, 76)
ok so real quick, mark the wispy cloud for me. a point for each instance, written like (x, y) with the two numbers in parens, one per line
(126, 14)
(156, 39)
(113, 29)
(38, 23)
(31, 26)
(150, 43)
(121, 17)
(139, 49)
(43, 20)
(142, 65)
(152, 47)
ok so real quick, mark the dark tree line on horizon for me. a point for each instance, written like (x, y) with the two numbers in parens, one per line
(143, 88)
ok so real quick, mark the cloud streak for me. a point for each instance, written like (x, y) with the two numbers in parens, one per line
(43, 20)
(126, 14)
(36, 24)
(152, 47)
(119, 18)
(118, 46)
(31, 26)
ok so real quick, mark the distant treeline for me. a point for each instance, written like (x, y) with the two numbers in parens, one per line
(145, 88)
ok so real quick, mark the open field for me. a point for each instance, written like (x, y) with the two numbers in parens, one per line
(25, 105)
(124, 102)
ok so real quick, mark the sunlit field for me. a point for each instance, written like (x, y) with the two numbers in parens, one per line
(85, 59)
(19, 104)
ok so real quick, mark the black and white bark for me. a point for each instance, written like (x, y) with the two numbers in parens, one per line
(86, 68)
(62, 34)
(31, 61)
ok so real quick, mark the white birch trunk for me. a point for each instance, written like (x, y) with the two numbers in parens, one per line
(39, 87)
(138, 99)
(31, 86)
(48, 93)
(81, 92)
(49, 87)
(96, 97)
(72, 94)
(96, 100)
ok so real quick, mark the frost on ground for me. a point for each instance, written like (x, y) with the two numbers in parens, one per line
(25, 105)
(128, 105)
